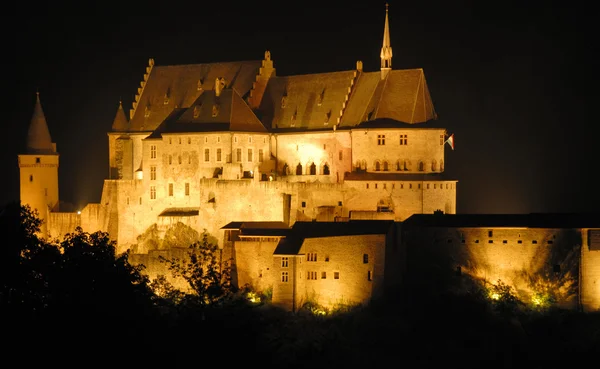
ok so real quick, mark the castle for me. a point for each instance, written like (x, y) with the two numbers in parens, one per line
(320, 168)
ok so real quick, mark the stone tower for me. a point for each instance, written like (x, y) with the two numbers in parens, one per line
(38, 167)
(386, 48)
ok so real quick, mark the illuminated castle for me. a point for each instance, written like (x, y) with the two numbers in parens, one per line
(303, 180)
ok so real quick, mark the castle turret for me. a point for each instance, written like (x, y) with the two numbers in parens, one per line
(38, 167)
(120, 123)
(386, 49)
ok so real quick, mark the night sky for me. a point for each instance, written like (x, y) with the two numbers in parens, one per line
(515, 84)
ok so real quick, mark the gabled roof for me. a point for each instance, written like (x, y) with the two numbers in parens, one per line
(38, 135)
(532, 220)
(310, 101)
(257, 228)
(168, 87)
(210, 113)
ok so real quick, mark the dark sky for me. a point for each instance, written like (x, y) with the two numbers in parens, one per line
(515, 83)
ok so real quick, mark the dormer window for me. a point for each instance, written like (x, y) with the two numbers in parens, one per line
(294, 118)
(320, 100)
(327, 116)
(283, 101)
(215, 110)
(196, 111)
(199, 88)
(147, 112)
(166, 100)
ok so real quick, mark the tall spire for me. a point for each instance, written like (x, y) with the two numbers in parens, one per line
(38, 136)
(386, 49)
(120, 123)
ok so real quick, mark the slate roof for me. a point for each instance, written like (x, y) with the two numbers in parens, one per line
(38, 135)
(258, 228)
(532, 220)
(120, 122)
(178, 84)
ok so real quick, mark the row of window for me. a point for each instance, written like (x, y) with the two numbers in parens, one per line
(399, 166)
(403, 140)
(312, 276)
(312, 256)
(219, 155)
(235, 139)
(410, 186)
(170, 190)
(534, 242)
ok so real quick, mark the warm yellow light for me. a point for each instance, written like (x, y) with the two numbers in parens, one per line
(494, 296)
(253, 297)
(537, 301)
(79, 212)
(308, 153)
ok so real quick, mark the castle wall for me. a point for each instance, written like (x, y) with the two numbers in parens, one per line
(331, 148)
(528, 259)
(383, 145)
(339, 274)
(253, 261)
(59, 224)
(590, 272)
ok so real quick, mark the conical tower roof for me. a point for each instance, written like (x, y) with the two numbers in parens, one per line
(38, 136)
(120, 123)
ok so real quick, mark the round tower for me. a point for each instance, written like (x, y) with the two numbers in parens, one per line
(38, 167)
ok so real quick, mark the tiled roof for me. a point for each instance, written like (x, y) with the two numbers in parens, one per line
(38, 135)
(305, 101)
(533, 220)
(173, 86)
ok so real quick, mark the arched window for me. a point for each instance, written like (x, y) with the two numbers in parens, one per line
(285, 169)
(313, 169)
(363, 166)
(441, 165)
(377, 166)
(407, 164)
(299, 169)
(421, 166)
(385, 166)
(325, 169)
(434, 165)
(398, 166)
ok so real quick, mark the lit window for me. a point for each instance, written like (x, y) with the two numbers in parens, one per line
(284, 262)
(380, 140)
(284, 276)
(153, 192)
(153, 173)
(153, 152)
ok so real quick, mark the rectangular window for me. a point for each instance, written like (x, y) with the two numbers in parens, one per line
(219, 155)
(170, 160)
(380, 140)
(206, 154)
(311, 275)
(311, 256)
(46, 194)
(303, 204)
(153, 192)
(323, 275)
(238, 153)
(284, 262)
(249, 155)
(38, 160)
(369, 276)
(340, 155)
(441, 140)
(153, 172)
(403, 139)
(153, 152)
(284, 276)
(249, 139)
(365, 258)
(187, 189)
(490, 233)
(170, 189)
(336, 275)
(260, 155)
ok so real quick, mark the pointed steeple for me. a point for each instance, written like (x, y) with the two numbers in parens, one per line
(38, 136)
(386, 49)
(120, 123)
